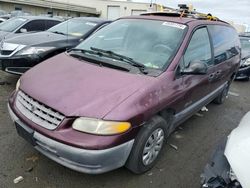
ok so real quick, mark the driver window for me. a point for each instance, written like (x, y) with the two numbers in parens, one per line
(199, 48)
(34, 25)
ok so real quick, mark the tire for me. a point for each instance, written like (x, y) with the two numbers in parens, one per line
(156, 126)
(220, 99)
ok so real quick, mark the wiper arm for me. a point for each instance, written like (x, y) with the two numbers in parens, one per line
(121, 57)
(85, 51)
(58, 32)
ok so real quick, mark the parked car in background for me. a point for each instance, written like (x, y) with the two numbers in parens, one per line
(2, 12)
(114, 99)
(21, 53)
(16, 13)
(229, 166)
(25, 24)
(2, 20)
(244, 70)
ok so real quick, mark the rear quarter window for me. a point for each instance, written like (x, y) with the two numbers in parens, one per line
(225, 42)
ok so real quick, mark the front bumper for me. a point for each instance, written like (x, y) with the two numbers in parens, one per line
(243, 73)
(20, 64)
(78, 159)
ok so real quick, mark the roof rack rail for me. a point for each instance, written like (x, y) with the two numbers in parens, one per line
(184, 11)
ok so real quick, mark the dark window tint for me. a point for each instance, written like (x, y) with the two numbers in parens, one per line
(225, 41)
(199, 48)
(51, 23)
(35, 25)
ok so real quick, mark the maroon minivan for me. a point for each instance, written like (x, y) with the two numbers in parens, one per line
(113, 100)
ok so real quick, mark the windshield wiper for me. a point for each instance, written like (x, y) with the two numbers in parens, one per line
(120, 57)
(84, 51)
(58, 32)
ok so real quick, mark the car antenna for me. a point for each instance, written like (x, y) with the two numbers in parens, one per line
(67, 24)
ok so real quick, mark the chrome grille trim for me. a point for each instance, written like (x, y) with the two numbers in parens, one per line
(9, 49)
(37, 112)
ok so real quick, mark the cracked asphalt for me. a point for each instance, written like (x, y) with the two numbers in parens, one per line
(179, 168)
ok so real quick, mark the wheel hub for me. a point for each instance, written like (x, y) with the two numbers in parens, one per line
(153, 146)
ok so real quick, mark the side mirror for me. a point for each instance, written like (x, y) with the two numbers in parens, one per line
(23, 30)
(195, 67)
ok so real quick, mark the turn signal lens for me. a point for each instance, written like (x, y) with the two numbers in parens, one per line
(100, 127)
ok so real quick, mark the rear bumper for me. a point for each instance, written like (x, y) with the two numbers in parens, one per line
(243, 73)
(78, 159)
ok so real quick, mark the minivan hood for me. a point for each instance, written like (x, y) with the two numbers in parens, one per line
(238, 151)
(39, 39)
(77, 88)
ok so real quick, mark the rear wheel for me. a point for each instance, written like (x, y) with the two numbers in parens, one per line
(148, 145)
(223, 95)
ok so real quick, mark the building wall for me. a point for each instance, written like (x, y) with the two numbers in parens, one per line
(126, 7)
(239, 27)
(37, 7)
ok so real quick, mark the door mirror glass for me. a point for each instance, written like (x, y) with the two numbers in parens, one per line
(195, 67)
(23, 30)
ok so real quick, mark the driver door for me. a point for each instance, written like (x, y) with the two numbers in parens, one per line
(197, 87)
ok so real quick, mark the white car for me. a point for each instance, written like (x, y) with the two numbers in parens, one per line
(230, 164)
(2, 20)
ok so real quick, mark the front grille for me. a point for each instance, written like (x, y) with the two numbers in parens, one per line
(37, 112)
(6, 52)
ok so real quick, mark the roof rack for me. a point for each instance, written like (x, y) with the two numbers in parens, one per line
(184, 11)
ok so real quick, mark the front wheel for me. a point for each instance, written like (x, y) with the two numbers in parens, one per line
(148, 145)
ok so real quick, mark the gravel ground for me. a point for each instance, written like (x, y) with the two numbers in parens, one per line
(179, 168)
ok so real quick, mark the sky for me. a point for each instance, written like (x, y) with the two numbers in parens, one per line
(228, 10)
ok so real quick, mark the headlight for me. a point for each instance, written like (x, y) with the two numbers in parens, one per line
(99, 127)
(33, 50)
(247, 62)
(17, 85)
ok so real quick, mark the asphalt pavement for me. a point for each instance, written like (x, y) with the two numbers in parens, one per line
(179, 167)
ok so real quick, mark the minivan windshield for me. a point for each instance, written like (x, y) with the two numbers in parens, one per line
(245, 44)
(74, 27)
(151, 43)
(12, 24)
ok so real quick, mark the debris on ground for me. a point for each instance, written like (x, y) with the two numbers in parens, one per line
(161, 169)
(233, 94)
(174, 146)
(29, 169)
(204, 109)
(199, 114)
(150, 174)
(33, 159)
(36, 178)
(178, 136)
(18, 179)
(180, 128)
(4, 83)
